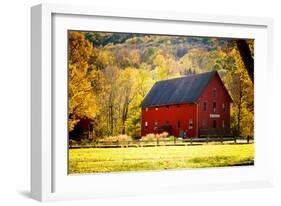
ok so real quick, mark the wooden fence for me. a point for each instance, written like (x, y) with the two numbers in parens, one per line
(162, 142)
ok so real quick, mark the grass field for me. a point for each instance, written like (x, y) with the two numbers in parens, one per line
(92, 160)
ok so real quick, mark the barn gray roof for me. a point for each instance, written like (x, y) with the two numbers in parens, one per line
(179, 90)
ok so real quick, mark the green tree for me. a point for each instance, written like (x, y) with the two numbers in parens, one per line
(142, 85)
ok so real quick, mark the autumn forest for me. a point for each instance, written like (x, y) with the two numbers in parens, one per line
(111, 73)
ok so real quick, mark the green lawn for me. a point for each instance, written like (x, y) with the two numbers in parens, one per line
(92, 160)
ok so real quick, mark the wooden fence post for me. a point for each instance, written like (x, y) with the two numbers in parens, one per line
(175, 140)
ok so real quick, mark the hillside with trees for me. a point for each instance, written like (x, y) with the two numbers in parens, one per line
(111, 73)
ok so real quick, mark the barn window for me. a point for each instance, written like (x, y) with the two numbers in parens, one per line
(155, 125)
(205, 106)
(146, 125)
(214, 124)
(223, 107)
(214, 106)
(167, 106)
(156, 108)
(214, 93)
(223, 125)
(190, 124)
(179, 124)
(204, 123)
(146, 109)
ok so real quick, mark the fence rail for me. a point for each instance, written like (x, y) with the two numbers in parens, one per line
(162, 142)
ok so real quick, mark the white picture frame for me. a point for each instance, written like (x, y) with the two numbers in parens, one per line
(49, 179)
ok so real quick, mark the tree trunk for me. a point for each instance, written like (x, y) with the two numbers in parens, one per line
(247, 58)
(239, 108)
(125, 114)
(110, 114)
(111, 119)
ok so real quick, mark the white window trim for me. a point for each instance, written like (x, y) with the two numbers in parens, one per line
(214, 108)
(190, 123)
(214, 91)
(204, 106)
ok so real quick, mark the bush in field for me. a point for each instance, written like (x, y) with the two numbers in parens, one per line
(110, 139)
(171, 138)
(163, 135)
(149, 137)
(124, 137)
(152, 136)
(72, 142)
(118, 138)
(85, 142)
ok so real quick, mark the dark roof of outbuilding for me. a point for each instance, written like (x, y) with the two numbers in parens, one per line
(179, 90)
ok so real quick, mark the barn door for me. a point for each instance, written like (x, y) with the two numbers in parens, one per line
(214, 124)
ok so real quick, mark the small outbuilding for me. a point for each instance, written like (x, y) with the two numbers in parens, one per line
(191, 106)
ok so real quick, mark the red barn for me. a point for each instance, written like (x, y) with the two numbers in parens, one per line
(191, 106)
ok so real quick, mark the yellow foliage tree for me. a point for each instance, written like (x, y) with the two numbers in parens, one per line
(82, 100)
(241, 89)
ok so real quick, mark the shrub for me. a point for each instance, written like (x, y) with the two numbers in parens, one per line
(85, 141)
(124, 137)
(152, 136)
(72, 142)
(118, 138)
(149, 137)
(110, 139)
(163, 135)
(171, 137)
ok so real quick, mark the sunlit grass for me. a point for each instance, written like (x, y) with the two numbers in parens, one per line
(92, 160)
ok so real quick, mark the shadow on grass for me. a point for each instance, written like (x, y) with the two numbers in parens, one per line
(217, 161)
